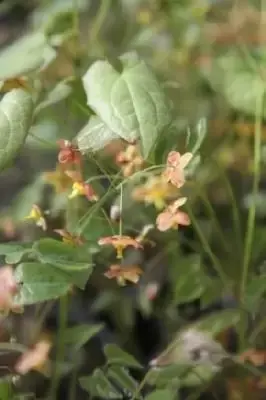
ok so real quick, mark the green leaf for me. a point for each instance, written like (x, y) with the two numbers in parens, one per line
(115, 355)
(162, 394)
(254, 293)
(6, 392)
(40, 282)
(69, 258)
(214, 324)
(27, 54)
(195, 139)
(60, 92)
(121, 376)
(240, 84)
(131, 103)
(98, 385)
(191, 280)
(14, 251)
(16, 109)
(95, 135)
(80, 335)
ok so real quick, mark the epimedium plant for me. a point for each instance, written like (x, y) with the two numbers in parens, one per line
(158, 169)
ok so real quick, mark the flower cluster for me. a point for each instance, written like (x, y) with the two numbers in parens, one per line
(67, 176)
(174, 174)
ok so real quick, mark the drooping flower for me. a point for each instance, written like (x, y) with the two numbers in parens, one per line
(155, 191)
(172, 217)
(68, 153)
(176, 164)
(130, 273)
(68, 238)
(119, 243)
(33, 359)
(8, 288)
(81, 188)
(129, 160)
(58, 178)
(36, 215)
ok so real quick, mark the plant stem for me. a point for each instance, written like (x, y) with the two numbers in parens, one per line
(216, 263)
(99, 20)
(60, 348)
(252, 210)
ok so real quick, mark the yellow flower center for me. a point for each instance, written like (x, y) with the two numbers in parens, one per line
(77, 190)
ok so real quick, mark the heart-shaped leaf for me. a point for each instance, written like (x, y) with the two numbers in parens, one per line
(131, 103)
(40, 282)
(16, 111)
(54, 252)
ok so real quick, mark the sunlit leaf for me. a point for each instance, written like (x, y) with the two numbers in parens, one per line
(60, 92)
(115, 355)
(95, 135)
(98, 385)
(196, 136)
(80, 335)
(16, 109)
(40, 282)
(131, 103)
(27, 54)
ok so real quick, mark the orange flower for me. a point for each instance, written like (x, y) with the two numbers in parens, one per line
(81, 188)
(129, 273)
(130, 160)
(8, 288)
(172, 217)
(119, 243)
(58, 178)
(37, 215)
(176, 164)
(34, 358)
(68, 238)
(155, 191)
(68, 153)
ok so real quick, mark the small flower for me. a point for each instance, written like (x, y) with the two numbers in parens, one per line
(8, 288)
(68, 238)
(81, 188)
(37, 215)
(8, 227)
(122, 274)
(176, 164)
(155, 191)
(130, 160)
(34, 358)
(151, 290)
(172, 217)
(68, 153)
(119, 243)
(58, 178)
